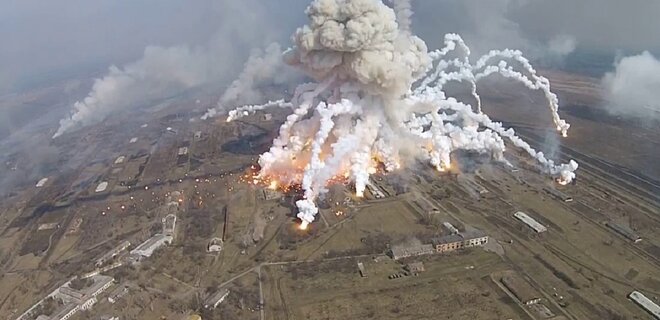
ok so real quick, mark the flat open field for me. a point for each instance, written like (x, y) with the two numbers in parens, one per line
(454, 286)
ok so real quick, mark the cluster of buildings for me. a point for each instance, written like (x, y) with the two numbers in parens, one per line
(443, 244)
(70, 300)
(148, 247)
(375, 191)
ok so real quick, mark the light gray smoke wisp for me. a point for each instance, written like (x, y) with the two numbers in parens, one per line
(562, 44)
(263, 68)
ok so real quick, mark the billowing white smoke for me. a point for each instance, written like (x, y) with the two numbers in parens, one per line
(161, 72)
(366, 110)
(632, 89)
(359, 42)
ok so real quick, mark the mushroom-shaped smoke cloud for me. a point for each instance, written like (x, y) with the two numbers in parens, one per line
(359, 41)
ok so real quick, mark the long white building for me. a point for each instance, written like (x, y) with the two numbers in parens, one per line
(147, 248)
(530, 222)
(647, 304)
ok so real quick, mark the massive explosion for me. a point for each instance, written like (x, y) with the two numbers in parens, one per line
(378, 100)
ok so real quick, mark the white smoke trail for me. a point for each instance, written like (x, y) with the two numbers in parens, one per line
(366, 106)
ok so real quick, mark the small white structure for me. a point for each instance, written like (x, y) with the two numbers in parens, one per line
(530, 222)
(42, 182)
(117, 294)
(133, 140)
(183, 151)
(197, 135)
(362, 270)
(646, 303)
(450, 228)
(147, 248)
(48, 226)
(101, 187)
(215, 245)
(213, 301)
(120, 160)
(76, 300)
(169, 224)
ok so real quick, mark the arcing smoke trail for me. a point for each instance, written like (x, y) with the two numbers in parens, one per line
(379, 89)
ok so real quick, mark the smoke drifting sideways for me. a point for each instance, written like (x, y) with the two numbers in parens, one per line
(161, 71)
(377, 100)
(209, 62)
(632, 88)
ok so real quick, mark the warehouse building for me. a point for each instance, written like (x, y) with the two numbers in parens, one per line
(404, 251)
(450, 228)
(447, 243)
(558, 194)
(521, 289)
(624, 231)
(530, 222)
(462, 240)
(147, 248)
(214, 300)
(645, 303)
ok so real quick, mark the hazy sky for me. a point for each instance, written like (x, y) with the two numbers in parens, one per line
(209, 40)
(45, 37)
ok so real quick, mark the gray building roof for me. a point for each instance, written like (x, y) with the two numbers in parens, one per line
(452, 238)
(409, 251)
(473, 234)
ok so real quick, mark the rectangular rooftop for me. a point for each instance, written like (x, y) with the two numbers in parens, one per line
(529, 221)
